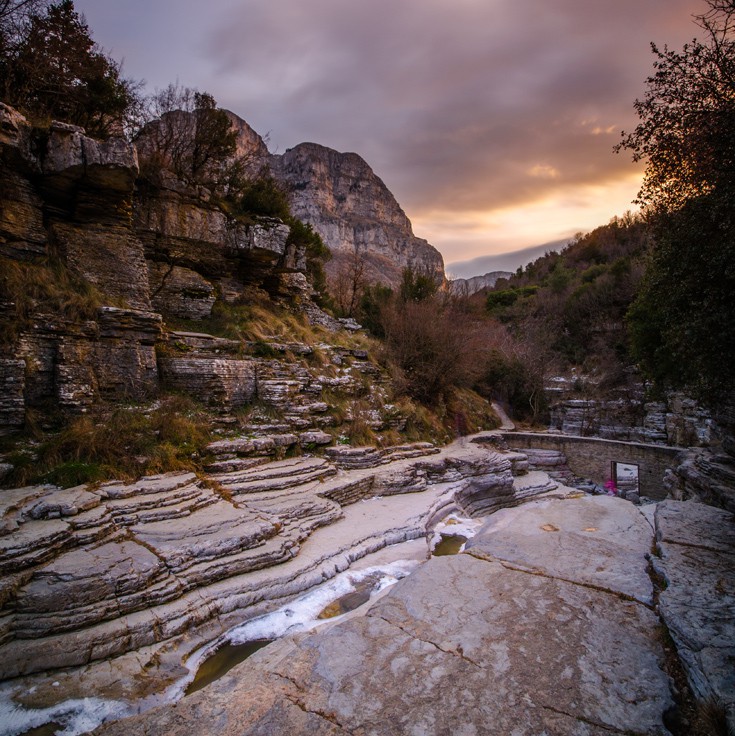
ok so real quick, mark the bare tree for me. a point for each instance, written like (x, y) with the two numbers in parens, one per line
(349, 282)
(188, 134)
(434, 348)
(14, 16)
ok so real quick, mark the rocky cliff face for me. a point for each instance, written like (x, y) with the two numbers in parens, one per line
(95, 259)
(354, 212)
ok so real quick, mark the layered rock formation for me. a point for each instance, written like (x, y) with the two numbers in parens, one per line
(520, 634)
(149, 250)
(628, 415)
(695, 547)
(354, 212)
(142, 252)
(95, 572)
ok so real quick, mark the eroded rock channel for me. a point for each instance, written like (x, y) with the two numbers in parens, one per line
(547, 622)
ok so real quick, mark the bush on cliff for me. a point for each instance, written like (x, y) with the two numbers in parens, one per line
(188, 135)
(126, 442)
(44, 285)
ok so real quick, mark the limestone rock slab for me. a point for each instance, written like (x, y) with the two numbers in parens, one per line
(87, 585)
(228, 383)
(12, 401)
(595, 540)
(108, 256)
(209, 533)
(513, 654)
(696, 544)
(180, 292)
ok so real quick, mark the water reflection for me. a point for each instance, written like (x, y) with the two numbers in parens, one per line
(450, 544)
(221, 662)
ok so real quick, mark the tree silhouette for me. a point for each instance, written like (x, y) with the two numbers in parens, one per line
(53, 70)
(683, 321)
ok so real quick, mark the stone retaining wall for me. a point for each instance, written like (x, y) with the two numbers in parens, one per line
(591, 457)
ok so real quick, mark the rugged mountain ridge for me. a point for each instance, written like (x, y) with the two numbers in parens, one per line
(148, 250)
(354, 212)
(467, 287)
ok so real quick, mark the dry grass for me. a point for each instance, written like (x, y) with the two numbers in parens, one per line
(47, 286)
(467, 412)
(124, 443)
(711, 718)
(358, 426)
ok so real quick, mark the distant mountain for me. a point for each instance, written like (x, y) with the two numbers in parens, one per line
(466, 287)
(502, 261)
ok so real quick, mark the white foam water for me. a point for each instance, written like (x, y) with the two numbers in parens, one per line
(74, 716)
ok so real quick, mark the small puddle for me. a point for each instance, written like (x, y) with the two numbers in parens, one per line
(220, 663)
(450, 544)
(229, 654)
(48, 729)
(352, 600)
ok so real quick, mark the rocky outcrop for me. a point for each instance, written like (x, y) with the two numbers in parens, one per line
(22, 232)
(704, 476)
(354, 212)
(696, 557)
(147, 249)
(678, 421)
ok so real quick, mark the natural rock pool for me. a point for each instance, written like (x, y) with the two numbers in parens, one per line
(222, 661)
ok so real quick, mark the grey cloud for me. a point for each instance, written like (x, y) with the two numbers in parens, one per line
(455, 103)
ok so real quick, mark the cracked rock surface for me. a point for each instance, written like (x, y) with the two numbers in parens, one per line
(696, 547)
(603, 543)
(470, 644)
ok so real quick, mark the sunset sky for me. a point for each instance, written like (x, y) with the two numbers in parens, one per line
(492, 121)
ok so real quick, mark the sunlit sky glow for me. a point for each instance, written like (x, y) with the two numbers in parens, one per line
(492, 121)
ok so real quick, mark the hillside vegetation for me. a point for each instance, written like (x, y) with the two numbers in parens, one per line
(572, 305)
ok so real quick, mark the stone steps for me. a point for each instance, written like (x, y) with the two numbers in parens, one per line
(275, 476)
(355, 458)
(234, 464)
(247, 446)
(181, 501)
(346, 490)
(533, 484)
